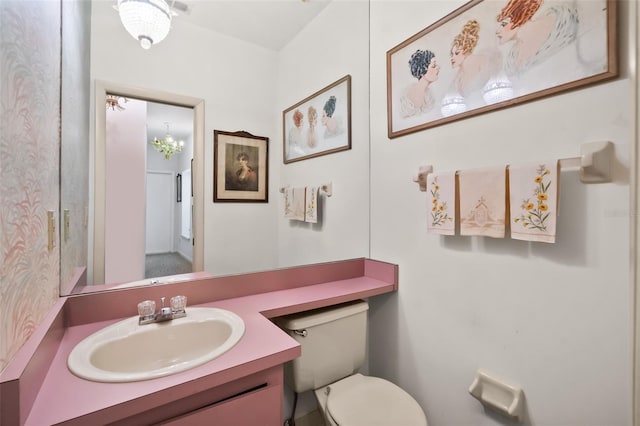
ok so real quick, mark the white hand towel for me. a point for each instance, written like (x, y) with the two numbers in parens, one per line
(441, 203)
(533, 194)
(294, 203)
(482, 202)
(288, 202)
(311, 204)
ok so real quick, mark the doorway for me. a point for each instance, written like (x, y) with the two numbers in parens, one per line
(101, 182)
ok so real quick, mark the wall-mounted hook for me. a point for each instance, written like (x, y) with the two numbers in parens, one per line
(421, 177)
(327, 188)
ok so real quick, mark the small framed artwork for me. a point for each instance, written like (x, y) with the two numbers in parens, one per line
(178, 188)
(319, 124)
(493, 54)
(240, 169)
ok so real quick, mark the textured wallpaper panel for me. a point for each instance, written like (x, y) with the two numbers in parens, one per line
(74, 162)
(29, 172)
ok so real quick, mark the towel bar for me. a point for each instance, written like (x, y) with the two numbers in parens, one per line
(327, 188)
(594, 164)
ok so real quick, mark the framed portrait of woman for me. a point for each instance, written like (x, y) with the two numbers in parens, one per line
(319, 124)
(493, 54)
(240, 169)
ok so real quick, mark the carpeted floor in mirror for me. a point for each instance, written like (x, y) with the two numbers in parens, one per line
(160, 265)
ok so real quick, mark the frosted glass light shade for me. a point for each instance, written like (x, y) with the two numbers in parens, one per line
(148, 21)
(453, 104)
(497, 90)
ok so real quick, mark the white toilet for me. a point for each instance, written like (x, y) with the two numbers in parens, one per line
(333, 342)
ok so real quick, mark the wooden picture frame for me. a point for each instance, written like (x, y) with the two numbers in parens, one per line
(318, 125)
(490, 54)
(240, 167)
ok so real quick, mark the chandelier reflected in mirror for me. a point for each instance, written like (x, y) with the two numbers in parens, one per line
(148, 21)
(116, 102)
(167, 146)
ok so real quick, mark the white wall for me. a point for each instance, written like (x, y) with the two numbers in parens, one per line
(553, 318)
(236, 81)
(335, 44)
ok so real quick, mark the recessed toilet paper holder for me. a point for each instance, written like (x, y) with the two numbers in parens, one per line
(498, 395)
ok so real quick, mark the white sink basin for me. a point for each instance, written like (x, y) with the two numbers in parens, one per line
(128, 352)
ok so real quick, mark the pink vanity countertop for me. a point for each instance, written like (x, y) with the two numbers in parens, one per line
(64, 398)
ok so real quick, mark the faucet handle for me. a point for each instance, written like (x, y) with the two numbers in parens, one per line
(178, 303)
(146, 308)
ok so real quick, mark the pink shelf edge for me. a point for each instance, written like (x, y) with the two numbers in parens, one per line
(20, 382)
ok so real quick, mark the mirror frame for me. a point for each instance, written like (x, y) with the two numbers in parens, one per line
(197, 173)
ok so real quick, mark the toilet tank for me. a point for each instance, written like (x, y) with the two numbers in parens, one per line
(333, 342)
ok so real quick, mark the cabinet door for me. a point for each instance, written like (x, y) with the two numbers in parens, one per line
(260, 408)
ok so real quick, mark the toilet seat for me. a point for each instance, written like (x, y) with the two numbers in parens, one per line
(362, 400)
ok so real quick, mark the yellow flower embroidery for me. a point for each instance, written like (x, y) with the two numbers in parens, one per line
(439, 215)
(538, 212)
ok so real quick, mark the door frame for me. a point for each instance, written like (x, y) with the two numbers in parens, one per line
(197, 104)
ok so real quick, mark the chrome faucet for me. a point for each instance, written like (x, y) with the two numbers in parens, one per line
(148, 315)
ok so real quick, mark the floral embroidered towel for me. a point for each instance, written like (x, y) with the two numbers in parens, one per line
(311, 204)
(533, 193)
(482, 201)
(441, 204)
(294, 203)
(288, 199)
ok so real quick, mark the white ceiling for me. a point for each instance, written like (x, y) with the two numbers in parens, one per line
(180, 120)
(267, 23)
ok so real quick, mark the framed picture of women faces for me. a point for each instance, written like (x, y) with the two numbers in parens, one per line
(319, 124)
(240, 167)
(492, 54)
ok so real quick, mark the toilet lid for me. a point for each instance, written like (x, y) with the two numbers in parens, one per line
(361, 400)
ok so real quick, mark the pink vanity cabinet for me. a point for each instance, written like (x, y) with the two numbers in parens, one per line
(244, 386)
(256, 399)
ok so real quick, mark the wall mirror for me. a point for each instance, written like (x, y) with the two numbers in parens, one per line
(234, 75)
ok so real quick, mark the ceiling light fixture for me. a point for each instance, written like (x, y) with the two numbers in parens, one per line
(115, 102)
(167, 145)
(148, 21)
